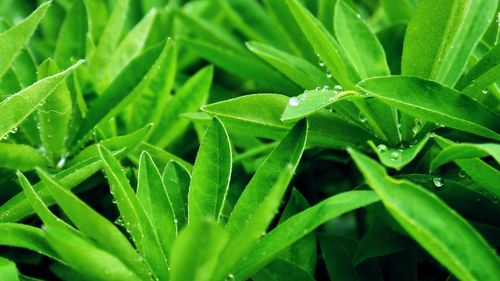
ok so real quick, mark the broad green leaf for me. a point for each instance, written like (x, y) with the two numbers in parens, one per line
(133, 214)
(8, 270)
(27, 237)
(298, 70)
(431, 101)
(190, 97)
(378, 241)
(430, 36)
(328, 49)
(261, 198)
(18, 207)
(14, 39)
(259, 115)
(231, 61)
(71, 41)
(123, 90)
(196, 250)
(465, 151)
(153, 196)
(54, 115)
(93, 225)
(311, 101)
(437, 228)
(85, 258)
(298, 226)
(282, 270)
(20, 157)
(17, 107)
(176, 180)
(108, 41)
(398, 157)
(129, 48)
(361, 45)
(478, 18)
(211, 174)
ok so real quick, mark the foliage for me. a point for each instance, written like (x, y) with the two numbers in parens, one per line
(245, 139)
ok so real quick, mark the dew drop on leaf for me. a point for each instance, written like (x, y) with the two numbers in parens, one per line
(438, 181)
(395, 155)
(382, 148)
(293, 101)
(362, 117)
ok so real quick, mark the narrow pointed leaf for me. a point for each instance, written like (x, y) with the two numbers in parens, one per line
(431, 101)
(211, 174)
(176, 180)
(19, 106)
(465, 151)
(437, 228)
(93, 225)
(133, 214)
(14, 39)
(8, 270)
(397, 157)
(20, 157)
(26, 237)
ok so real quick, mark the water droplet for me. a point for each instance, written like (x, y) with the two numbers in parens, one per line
(321, 64)
(416, 127)
(338, 88)
(325, 88)
(485, 91)
(438, 181)
(318, 88)
(61, 162)
(5, 137)
(329, 75)
(362, 117)
(462, 174)
(113, 201)
(395, 155)
(382, 148)
(230, 276)
(14, 130)
(293, 101)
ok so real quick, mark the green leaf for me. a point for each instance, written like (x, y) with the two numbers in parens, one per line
(261, 198)
(187, 261)
(108, 41)
(259, 115)
(425, 49)
(282, 270)
(160, 156)
(123, 90)
(431, 101)
(153, 196)
(18, 207)
(211, 174)
(437, 228)
(231, 61)
(54, 115)
(365, 51)
(190, 97)
(328, 49)
(465, 151)
(479, 16)
(70, 43)
(337, 254)
(129, 48)
(397, 157)
(133, 214)
(176, 180)
(298, 226)
(90, 261)
(19, 106)
(27, 237)
(8, 270)
(484, 73)
(14, 39)
(93, 225)
(298, 70)
(20, 157)
(312, 101)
